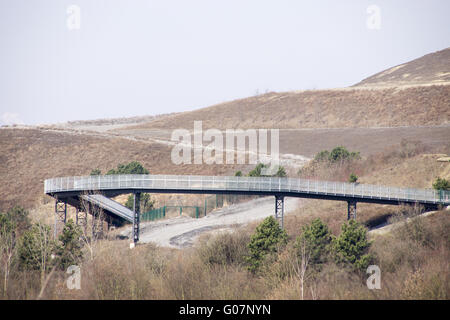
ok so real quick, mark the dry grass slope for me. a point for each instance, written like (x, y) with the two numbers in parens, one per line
(417, 106)
(29, 156)
(433, 68)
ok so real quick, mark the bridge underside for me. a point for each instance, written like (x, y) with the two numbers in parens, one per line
(101, 209)
(115, 214)
(309, 195)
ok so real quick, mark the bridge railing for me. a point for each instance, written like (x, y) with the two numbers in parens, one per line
(224, 183)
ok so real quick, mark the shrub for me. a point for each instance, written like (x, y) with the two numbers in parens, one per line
(323, 155)
(339, 153)
(69, 250)
(133, 167)
(317, 239)
(257, 171)
(238, 174)
(7, 249)
(225, 249)
(96, 172)
(353, 178)
(281, 172)
(267, 240)
(351, 246)
(36, 248)
(146, 203)
(441, 184)
(410, 148)
(20, 218)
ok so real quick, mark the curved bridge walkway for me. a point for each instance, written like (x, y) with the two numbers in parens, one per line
(97, 190)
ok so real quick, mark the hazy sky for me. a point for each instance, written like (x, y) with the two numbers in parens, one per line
(128, 58)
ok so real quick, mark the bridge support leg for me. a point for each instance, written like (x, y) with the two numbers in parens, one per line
(60, 214)
(351, 210)
(136, 209)
(279, 210)
(81, 219)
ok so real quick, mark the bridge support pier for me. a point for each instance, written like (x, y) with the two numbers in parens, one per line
(60, 214)
(81, 219)
(351, 210)
(279, 210)
(136, 210)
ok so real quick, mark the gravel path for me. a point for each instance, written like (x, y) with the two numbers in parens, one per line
(181, 232)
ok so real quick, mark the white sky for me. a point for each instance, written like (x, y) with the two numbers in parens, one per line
(141, 57)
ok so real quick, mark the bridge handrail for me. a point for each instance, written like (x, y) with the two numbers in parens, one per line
(227, 183)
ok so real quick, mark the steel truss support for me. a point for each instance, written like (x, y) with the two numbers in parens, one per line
(81, 219)
(279, 210)
(60, 214)
(351, 210)
(136, 209)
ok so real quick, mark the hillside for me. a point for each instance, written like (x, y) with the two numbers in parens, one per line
(416, 93)
(321, 109)
(433, 68)
(32, 154)
(29, 156)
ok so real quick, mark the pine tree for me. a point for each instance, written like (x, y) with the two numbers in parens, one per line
(266, 240)
(352, 246)
(316, 239)
(36, 249)
(69, 250)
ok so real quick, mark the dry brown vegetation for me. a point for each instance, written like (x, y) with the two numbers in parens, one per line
(413, 260)
(29, 156)
(417, 106)
(431, 68)
(406, 164)
(391, 98)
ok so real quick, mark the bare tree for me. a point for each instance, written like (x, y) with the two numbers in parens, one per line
(7, 251)
(301, 263)
(45, 246)
(94, 231)
(36, 252)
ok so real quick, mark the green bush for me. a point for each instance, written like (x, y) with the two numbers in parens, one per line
(36, 247)
(441, 184)
(352, 246)
(20, 218)
(133, 167)
(353, 178)
(266, 240)
(69, 250)
(323, 155)
(339, 153)
(96, 172)
(281, 172)
(315, 239)
(257, 171)
(146, 203)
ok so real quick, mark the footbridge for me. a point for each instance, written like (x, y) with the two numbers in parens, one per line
(97, 191)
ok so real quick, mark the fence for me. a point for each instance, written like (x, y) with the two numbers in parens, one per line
(210, 203)
(154, 214)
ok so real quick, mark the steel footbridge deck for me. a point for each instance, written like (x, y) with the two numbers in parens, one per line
(98, 189)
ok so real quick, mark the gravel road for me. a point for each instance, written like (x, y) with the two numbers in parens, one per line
(181, 232)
